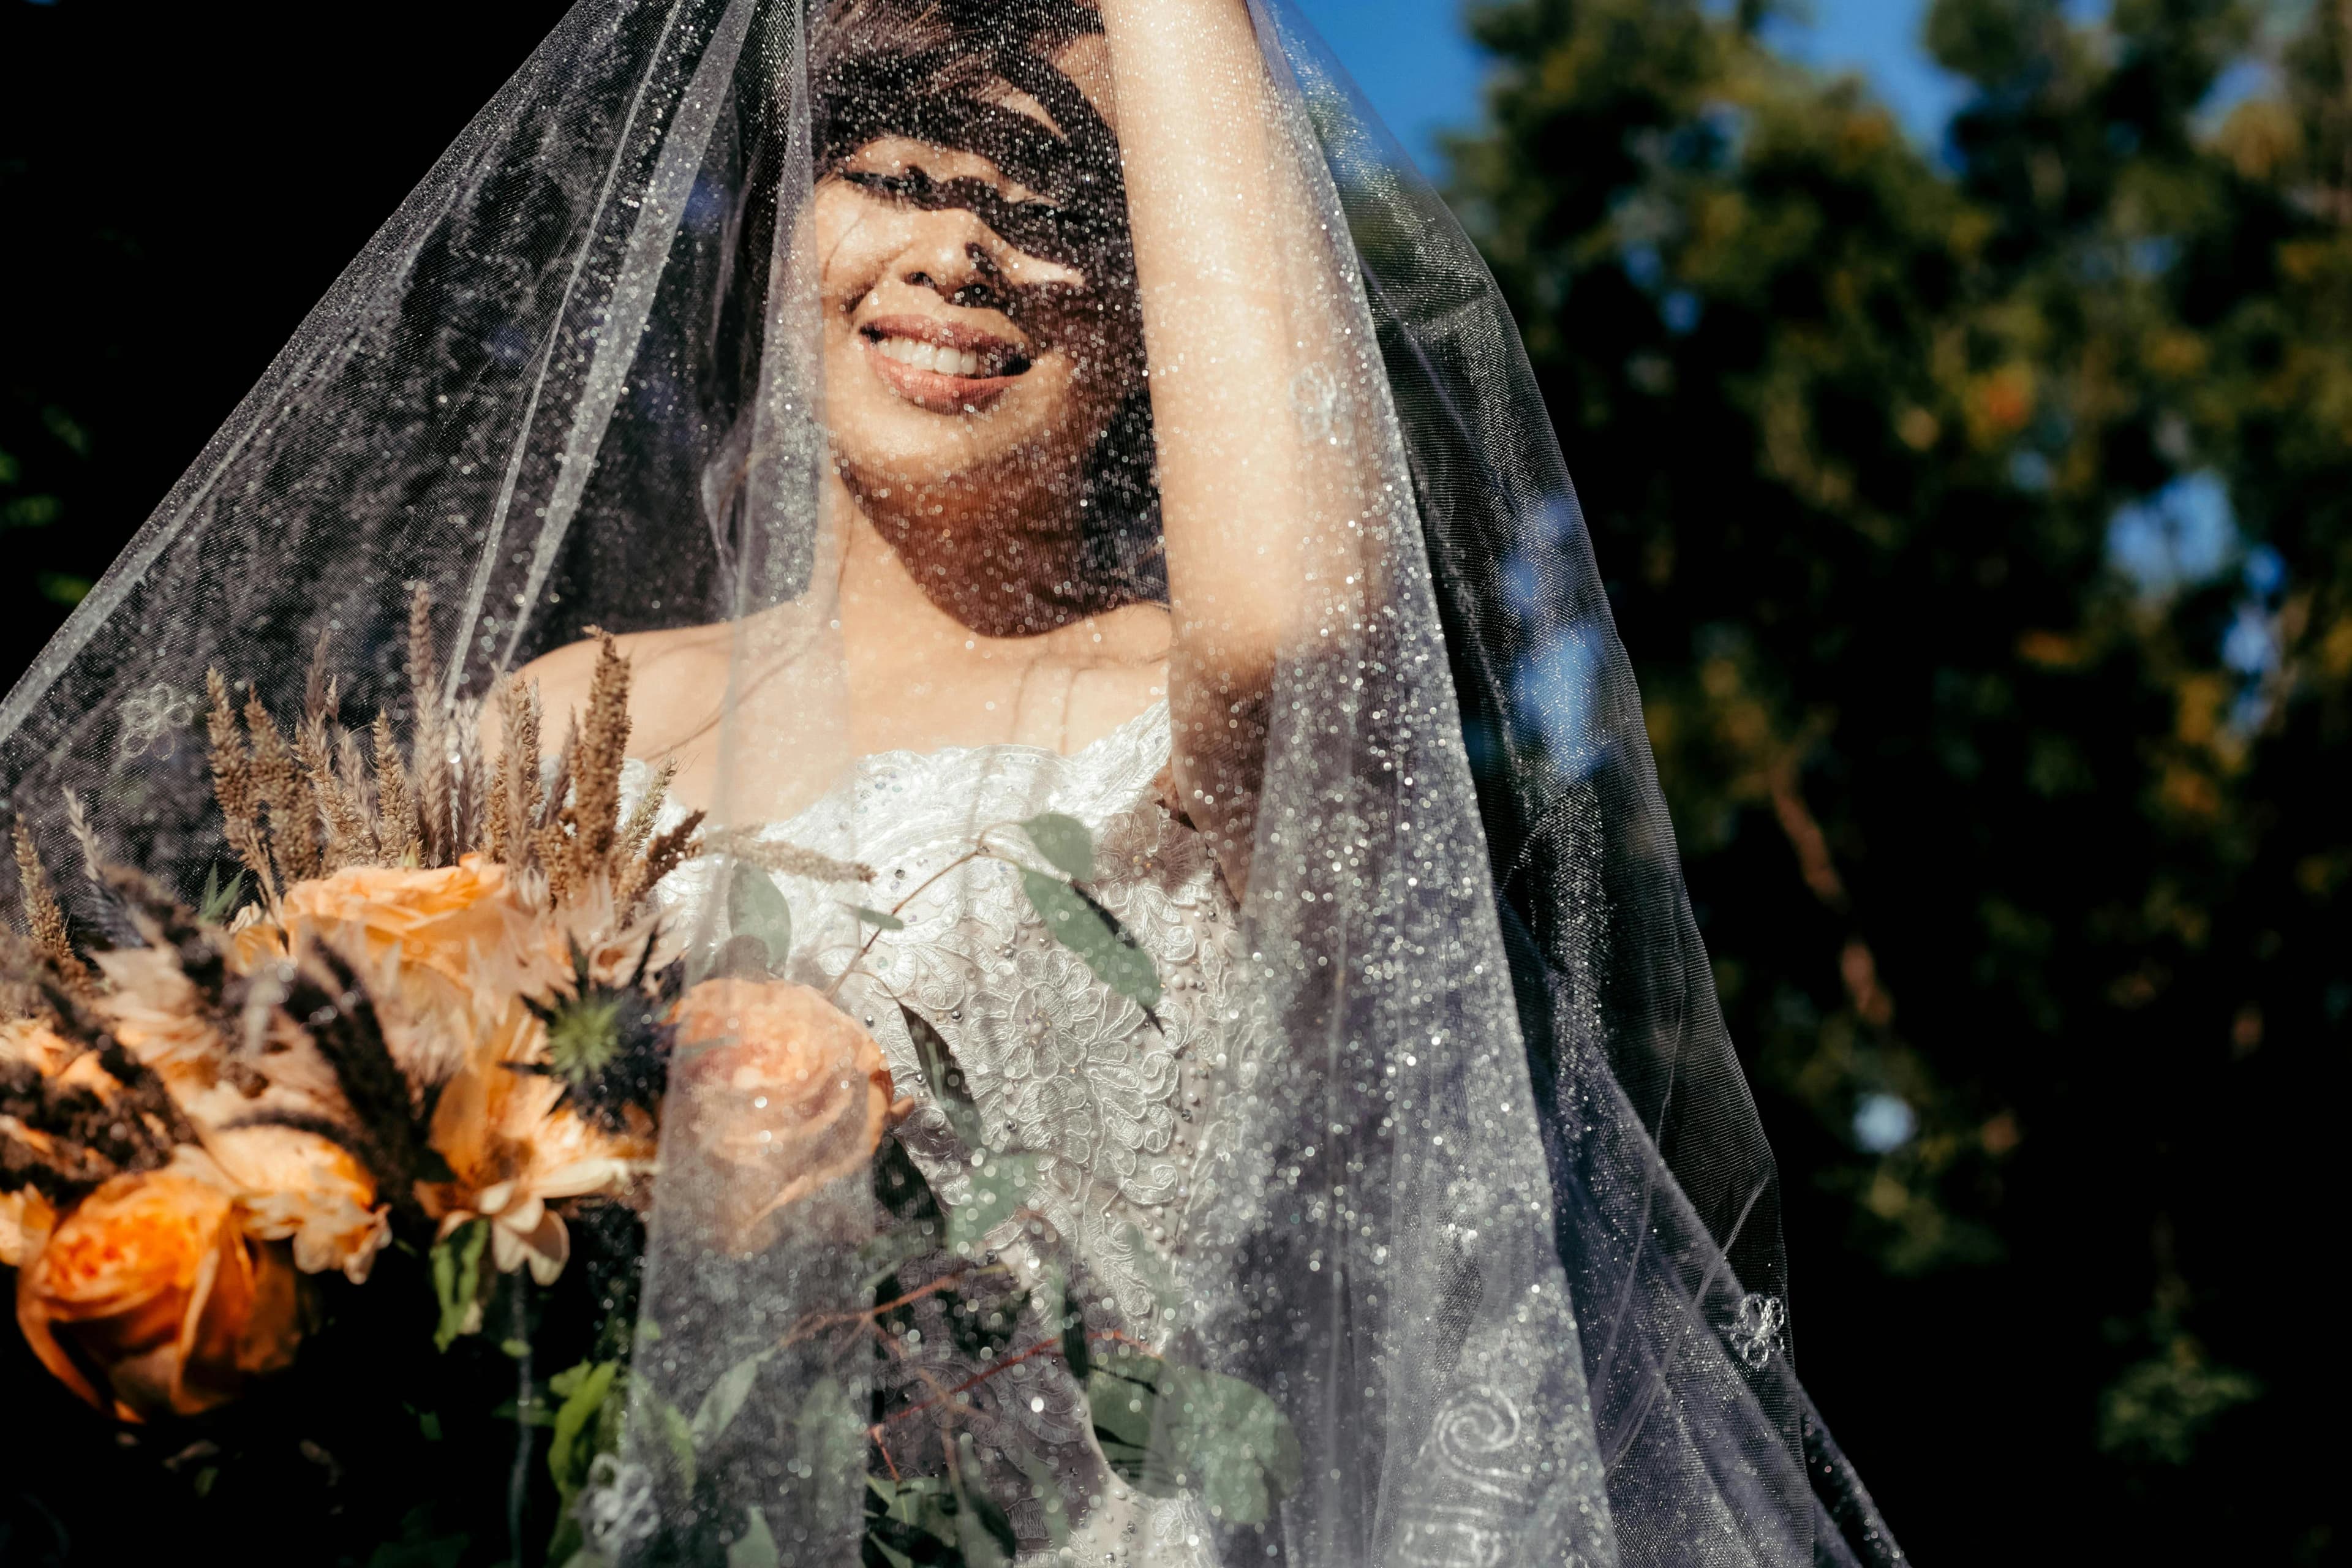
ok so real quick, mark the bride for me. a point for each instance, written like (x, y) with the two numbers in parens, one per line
(1045, 464)
(971, 381)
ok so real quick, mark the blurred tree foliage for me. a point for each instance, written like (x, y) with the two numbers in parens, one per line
(1981, 531)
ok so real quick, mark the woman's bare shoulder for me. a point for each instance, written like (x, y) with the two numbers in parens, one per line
(656, 660)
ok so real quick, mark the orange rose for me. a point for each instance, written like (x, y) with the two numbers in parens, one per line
(443, 919)
(783, 1091)
(454, 945)
(150, 1299)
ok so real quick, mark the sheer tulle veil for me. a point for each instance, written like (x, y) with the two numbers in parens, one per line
(1492, 1222)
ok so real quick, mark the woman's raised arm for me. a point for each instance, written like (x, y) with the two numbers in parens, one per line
(1221, 230)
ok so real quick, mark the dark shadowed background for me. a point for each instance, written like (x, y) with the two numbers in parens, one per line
(1973, 479)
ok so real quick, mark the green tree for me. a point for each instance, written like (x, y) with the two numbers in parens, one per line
(1977, 534)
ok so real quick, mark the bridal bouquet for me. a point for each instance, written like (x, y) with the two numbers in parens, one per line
(390, 1094)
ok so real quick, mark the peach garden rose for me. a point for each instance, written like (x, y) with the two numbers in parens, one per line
(150, 1299)
(453, 947)
(783, 1092)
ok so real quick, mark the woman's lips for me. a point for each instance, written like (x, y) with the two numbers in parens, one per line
(940, 366)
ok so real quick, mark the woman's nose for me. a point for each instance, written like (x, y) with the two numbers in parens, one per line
(950, 256)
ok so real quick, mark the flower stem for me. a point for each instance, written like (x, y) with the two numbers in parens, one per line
(519, 1477)
(961, 860)
(1043, 1347)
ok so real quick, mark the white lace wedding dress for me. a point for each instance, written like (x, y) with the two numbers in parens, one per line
(1128, 1116)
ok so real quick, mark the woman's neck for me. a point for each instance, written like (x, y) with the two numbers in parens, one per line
(877, 589)
(955, 591)
(921, 678)
(1003, 560)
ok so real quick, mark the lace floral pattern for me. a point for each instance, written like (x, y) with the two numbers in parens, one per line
(1126, 1113)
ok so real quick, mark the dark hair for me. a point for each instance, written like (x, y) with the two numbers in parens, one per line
(925, 70)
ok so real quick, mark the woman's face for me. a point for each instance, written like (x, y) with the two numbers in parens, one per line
(966, 379)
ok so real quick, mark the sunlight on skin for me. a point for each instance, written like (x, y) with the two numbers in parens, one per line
(966, 380)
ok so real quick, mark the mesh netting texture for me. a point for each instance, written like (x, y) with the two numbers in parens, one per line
(1083, 534)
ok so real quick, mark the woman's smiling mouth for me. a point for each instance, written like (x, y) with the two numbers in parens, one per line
(940, 366)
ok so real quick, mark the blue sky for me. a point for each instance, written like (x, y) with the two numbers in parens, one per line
(1414, 62)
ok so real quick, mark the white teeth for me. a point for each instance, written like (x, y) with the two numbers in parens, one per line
(934, 357)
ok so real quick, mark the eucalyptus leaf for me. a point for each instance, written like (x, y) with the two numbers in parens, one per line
(880, 1258)
(830, 1432)
(1064, 843)
(725, 1401)
(911, 1519)
(984, 1530)
(1169, 1428)
(900, 1187)
(882, 918)
(1122, 1395)
(1087, 929)
(1074, 1337)
(582, 1390)
(679, 1433)
(1046, 1486)
(756, 1547)
(948, 1091)
(586, 1422)
(458, 1281)
(756, 907)
(738, 958)
(1000, 1189)
(917, 1501)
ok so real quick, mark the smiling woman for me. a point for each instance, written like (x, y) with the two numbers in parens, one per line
(1088, 982)
(1018, 541)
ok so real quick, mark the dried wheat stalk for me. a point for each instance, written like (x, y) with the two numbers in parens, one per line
(396, 812)
(550, 838)
(597, 765)
(235, 786)
(352, 768)
(497, 833)
(630, 845)
(350, 838)
(93, 854)
(663, 856)
(515, 798)
(278, 779)
(469, 786)
(744, 844)
(428, 742)
(44, 921)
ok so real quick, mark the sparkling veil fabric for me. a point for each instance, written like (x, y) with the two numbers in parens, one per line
(1499, 1230)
